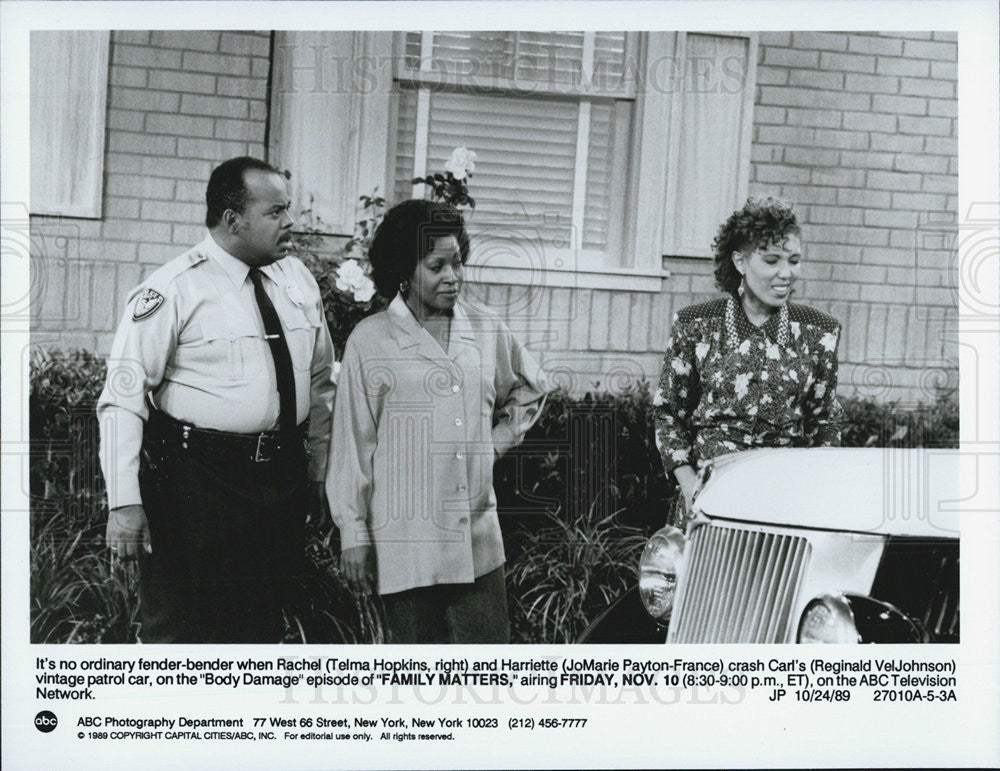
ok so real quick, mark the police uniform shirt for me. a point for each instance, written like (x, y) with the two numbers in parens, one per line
(192, 335)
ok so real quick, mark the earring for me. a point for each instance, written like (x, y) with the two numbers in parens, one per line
(404, 287)
(742, 288)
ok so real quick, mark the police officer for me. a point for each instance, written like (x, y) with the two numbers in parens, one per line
(215, 416)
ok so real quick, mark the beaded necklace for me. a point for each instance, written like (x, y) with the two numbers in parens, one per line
(734, 341)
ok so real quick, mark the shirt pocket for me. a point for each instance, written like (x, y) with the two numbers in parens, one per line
(211, 350)
(302, 324)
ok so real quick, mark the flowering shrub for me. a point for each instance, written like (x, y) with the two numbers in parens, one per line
(344, 275)
(344, 281)
(451, 186)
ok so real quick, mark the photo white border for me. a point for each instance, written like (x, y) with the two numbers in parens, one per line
(654, 735)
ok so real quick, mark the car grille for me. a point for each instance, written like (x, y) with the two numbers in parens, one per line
(738, 586)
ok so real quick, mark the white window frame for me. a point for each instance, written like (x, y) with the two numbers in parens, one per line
(572, 267)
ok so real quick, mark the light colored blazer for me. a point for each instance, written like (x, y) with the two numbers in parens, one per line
(414, 437)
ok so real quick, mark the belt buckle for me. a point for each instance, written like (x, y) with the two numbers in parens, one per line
(259, 456)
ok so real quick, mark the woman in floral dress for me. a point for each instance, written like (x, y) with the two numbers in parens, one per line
(750, 369)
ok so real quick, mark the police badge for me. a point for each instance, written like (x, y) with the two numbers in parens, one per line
(146, 304)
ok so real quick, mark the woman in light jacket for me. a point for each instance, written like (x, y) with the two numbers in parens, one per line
(431, 392)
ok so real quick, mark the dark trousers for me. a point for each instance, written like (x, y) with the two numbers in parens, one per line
(450, 613)
(227, 539)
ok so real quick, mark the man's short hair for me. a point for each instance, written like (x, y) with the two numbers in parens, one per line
(226, 187)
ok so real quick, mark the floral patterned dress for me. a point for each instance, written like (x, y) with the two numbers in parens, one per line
(728, 385)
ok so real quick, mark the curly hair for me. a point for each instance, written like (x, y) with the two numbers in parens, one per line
(406, 235)
(760, 222)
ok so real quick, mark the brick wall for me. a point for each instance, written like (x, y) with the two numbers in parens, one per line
(178, 102)
(857, 129)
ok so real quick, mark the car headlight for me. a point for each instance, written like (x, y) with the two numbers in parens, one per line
(828, 619)
(659, 568)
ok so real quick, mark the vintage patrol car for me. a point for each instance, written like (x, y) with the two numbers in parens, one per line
(825, 545)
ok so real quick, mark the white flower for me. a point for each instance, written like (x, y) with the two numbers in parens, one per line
(745, 347)
(658, 398)
(742, 381)
(793, 375)
(828, 341)
(820, 390)
(680, 366)
(796, 329)
(462, 163)
(679, 455)
(752, 410)
(764, 375)
(772, 351)
(351, 277)
(364, 291)
(700, 350)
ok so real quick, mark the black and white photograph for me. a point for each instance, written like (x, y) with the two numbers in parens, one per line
(632, 342)
(649, 251)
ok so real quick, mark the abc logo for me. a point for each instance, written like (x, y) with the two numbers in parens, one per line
(45, 721)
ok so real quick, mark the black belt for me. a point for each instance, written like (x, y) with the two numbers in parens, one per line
(258, 448)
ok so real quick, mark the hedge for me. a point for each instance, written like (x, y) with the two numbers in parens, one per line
(575, 500)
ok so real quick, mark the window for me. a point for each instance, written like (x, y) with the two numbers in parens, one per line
(69, 88)
(549, 115)
(599, 153)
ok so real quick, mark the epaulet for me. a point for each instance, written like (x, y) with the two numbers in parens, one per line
(161, 278)
(705, 310)
(805, 314)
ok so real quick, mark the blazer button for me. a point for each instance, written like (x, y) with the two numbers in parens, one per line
(460, 455)
(463, 521)
(461, 488)
(458, 421)
(454, 389)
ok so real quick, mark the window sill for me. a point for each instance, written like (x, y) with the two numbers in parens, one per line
(622, 279)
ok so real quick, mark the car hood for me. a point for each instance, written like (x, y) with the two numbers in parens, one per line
(912, 492)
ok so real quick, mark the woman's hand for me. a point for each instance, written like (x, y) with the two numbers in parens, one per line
(687, 479)
(358, 566)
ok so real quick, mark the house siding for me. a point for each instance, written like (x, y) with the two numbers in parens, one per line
(178, 103)
(857, 129)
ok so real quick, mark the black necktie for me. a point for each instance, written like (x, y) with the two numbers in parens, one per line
(279, 352)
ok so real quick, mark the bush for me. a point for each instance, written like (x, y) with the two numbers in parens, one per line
(595, 453)
(575, 501)
(77, 593)
(870, 424)
(567, 572)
